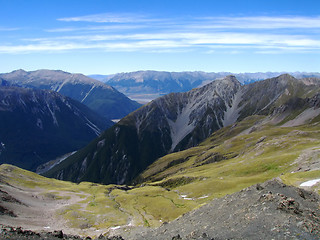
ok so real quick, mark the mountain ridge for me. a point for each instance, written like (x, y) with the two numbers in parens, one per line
(147, 85)
(102, 98)
(148, 133)
(39, 125)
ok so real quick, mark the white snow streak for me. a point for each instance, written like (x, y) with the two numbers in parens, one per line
(310, 183)
(55, 122)
(93, 127)
(88, 93)
(58, 90)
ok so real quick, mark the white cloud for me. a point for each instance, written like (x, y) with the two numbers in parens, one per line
(257, 22)
(168, 42)
(6, 29)
(107, 18)
(106, 28)
(128, 32)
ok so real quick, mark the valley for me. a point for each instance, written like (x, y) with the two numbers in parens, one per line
(159, 120)
(233, 158)
(169, 168)
(179, 121)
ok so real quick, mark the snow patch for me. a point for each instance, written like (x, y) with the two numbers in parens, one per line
(115, 228)
(185, 197)
(59, 89)
(88, 93)
(55, 122)
(202, 197)
(310, 183)
(93, 127)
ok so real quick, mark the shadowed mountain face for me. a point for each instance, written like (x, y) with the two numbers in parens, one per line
(98, 96)
(39, 125)
(179, 121)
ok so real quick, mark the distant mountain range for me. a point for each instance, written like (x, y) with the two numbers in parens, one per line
(39, 125)
(223, 161)
(147, 85)
(101, 98)
(179, 121)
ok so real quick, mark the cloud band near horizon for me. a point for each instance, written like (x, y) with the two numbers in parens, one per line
(132, 32)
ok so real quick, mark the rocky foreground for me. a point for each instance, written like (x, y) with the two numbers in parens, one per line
(21, 234)
(271, 210)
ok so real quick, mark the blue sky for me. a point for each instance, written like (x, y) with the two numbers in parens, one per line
(110, 36)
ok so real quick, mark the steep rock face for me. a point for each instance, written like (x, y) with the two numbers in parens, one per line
(98, 96)
(175, 122)
(38, 125)
(263, 97)
(3, 82)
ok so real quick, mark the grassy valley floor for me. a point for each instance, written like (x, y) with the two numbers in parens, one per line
(236, 157)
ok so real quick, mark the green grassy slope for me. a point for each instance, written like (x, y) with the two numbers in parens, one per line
(102, 206)
(249, 152)
(236, 157)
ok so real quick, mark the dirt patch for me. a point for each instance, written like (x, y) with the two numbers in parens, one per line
(35, 209)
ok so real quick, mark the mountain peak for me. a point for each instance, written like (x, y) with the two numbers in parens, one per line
(97, 95)
(18, 73)
(285, 77)
(231, 78)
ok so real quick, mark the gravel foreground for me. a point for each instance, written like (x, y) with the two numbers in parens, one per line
(271, 210)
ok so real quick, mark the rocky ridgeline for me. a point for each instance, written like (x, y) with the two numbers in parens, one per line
(37, 126)
(99, 97)
(18, 233)
(271, 210)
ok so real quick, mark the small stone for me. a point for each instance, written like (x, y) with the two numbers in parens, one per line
(259, 187)
(58, 234)
(177, 237)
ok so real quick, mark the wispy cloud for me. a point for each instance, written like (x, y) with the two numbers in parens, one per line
(258, 22)
(104, 28)
(6, 29)
(132, 32)
(108, 18)
(168, 41)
